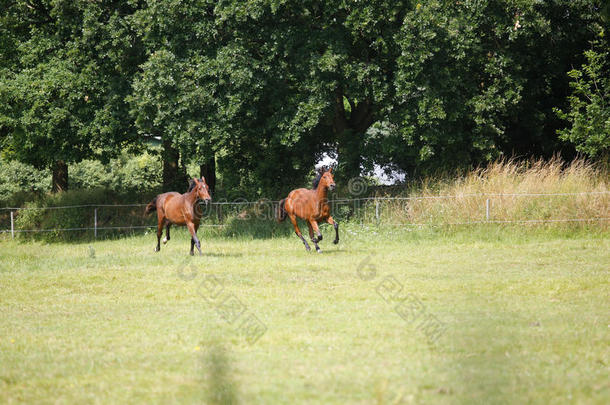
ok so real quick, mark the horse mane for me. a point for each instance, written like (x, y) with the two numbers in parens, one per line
(192, 184)
(316, 181)
(318, 177)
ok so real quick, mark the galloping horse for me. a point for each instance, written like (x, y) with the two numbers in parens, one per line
(312, 206)
(179, 209)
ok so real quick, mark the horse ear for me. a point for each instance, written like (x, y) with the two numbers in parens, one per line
(330, 170)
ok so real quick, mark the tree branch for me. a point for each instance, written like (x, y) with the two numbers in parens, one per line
(339, 121)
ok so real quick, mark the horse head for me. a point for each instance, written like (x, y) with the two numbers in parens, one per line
(327, 180)
(201, 189)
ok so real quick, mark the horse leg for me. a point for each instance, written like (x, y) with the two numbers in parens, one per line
(194, 239)
(312, 237)
(313, 225)
(166, 233)
(159, 233)
(334, 223)
(293, 219)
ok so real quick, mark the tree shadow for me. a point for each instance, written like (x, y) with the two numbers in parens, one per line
(220, 388)
(216, 254)
(255, 228)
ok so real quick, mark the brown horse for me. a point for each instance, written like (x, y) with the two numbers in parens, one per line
(179, 209)
(312, 206)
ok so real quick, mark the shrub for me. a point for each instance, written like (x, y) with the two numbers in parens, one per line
(124, 174)
(89, 174)
(45, 214)
(136, 173)
(20, 178)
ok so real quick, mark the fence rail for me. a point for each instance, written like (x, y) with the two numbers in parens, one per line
(370, 209)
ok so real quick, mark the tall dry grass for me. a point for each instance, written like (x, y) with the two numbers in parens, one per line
(539, 190)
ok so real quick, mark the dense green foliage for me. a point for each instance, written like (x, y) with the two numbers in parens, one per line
(265, 87)
(128, 175)
(65, 79)
(589, 110)
(16, 177)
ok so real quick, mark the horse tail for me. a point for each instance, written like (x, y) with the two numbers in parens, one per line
(152, 206)
(281, 212)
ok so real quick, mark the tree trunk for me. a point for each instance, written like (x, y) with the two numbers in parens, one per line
(59, 177)
(208, 171)
(350, 154)
(350, 128)
(173, 178)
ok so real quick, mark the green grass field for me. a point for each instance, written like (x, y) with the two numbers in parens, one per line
(388, 316)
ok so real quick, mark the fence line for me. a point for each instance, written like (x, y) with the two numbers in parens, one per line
(435, 197)
(330, 201)
(377, 215)
(72, 206)
(517, 221)
(98, 228)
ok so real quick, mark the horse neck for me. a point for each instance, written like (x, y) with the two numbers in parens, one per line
(322, 192)
(191, 196)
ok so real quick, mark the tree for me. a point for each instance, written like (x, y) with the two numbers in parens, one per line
(478, 79)
(166, 97)
(588, 113)
(63, 92)
(323, 70)
(417, 86)
(257, 91)
(205, 91)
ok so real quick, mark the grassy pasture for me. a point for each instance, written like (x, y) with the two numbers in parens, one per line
(524, 313)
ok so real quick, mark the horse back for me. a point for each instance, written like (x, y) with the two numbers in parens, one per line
(174, 207)
(305, 204)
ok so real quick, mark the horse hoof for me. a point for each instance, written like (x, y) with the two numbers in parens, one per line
(336, 241)
(164, 241)
(319, 250)
(192, 253)
(157, 249)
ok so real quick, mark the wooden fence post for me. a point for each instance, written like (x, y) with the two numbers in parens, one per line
(95, 223)
(377, 210)
(487, 209)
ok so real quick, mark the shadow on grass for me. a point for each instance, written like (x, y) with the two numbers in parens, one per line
(215, 254)
(264, 229)
(220, 388)
(256, 228)
(486, 357)
(331, 251)
(81, 237)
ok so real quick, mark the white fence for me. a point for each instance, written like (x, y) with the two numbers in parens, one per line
(365, 210)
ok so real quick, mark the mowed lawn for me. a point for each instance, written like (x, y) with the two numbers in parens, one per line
(390, 315)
